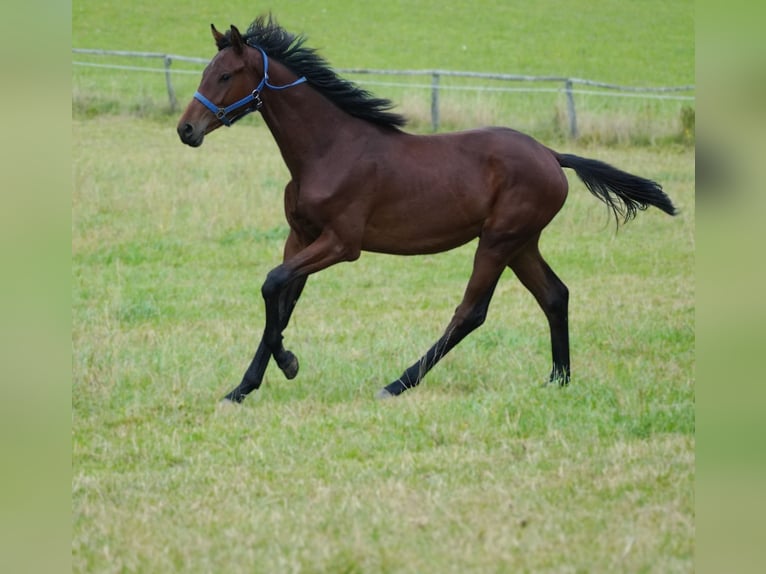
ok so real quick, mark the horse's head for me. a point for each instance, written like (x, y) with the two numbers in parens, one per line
(225, 94)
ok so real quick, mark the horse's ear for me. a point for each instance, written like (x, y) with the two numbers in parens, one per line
(236, 40)
(217, 36)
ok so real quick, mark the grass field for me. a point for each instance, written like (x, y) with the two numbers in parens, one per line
(640, 44)
(651, 42)
(481, 468)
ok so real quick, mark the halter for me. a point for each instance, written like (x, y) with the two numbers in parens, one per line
(223, 113)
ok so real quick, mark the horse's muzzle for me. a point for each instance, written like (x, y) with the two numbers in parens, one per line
(189, 135)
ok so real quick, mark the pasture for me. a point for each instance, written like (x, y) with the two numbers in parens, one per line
(481, 468)
(646, 44)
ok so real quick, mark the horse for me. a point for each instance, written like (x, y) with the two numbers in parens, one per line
(360, 182)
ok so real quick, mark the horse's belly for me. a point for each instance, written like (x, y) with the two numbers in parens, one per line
(420, 230)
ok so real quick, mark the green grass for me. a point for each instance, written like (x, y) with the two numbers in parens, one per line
(638, 44)
(649, 42)
(480, 469)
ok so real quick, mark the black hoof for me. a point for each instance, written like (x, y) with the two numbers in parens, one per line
(288, 363)
(393, 390)
(233, 398)
(558, 379)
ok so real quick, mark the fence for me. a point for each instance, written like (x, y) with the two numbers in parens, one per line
(569, 86)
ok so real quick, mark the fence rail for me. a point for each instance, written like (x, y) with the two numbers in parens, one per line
(435, 85)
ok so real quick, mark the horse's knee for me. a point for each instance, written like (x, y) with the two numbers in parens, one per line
(276, 279)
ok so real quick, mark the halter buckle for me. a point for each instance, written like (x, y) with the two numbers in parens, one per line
(257, 99)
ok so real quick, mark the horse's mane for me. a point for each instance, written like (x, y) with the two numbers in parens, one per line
(290, 50)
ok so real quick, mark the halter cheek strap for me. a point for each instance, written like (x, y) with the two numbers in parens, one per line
(248, 104)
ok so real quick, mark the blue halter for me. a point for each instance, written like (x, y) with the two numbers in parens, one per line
(254, 98)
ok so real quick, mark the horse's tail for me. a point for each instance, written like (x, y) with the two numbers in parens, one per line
(624, 193)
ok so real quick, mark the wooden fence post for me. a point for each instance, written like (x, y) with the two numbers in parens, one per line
(571, 110)
(435, 101)
(168, 81)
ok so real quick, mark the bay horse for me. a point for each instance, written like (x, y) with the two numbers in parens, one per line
(358, 182)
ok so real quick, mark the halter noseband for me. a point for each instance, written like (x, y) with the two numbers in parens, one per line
(254, 98)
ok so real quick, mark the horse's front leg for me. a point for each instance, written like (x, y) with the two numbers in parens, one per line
(286, 360)
(280, 294)
(280, 291)
(253, 376)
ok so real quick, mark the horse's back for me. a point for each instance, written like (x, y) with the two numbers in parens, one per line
(435, 192)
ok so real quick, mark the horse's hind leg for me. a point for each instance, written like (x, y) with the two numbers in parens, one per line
(489, 263)
(553, 297)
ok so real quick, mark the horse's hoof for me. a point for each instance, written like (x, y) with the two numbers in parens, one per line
(234, 398)
(384, 394)
(557, 379)
(289, 365)
(226, 403)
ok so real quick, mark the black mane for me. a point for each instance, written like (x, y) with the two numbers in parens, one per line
(289, 49)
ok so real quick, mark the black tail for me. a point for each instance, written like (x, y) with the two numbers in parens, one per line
(624, 193)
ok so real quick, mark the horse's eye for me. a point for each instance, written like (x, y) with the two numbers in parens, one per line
(225, 77)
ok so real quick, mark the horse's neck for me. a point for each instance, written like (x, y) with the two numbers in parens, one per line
(303, 122)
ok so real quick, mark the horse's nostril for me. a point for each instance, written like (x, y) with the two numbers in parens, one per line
(186, 132)
(189, 134)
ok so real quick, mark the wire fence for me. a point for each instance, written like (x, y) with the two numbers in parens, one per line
(568, 86)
